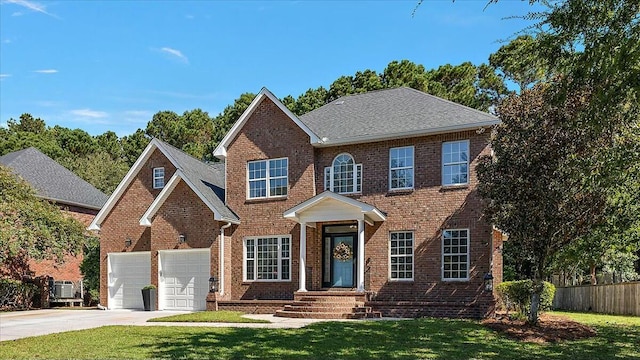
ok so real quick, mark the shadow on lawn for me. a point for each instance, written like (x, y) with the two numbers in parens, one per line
(412, 339)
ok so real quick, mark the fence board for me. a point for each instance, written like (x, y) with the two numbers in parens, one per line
(620, 299)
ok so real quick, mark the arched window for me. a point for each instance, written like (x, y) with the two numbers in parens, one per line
(344, 175)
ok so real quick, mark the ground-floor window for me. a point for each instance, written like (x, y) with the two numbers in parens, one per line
(401, 255)
(455, 254)
(267, 258)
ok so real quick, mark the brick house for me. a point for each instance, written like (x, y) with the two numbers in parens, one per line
(74, 196)
(366, 205)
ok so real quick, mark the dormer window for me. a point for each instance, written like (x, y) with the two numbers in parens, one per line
(344, 176)
(158, 178)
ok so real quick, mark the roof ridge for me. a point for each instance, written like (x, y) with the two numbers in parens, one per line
(451, 102)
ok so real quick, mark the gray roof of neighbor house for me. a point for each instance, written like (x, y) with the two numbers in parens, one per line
(207, 178)
(53, 181)
(390, 113)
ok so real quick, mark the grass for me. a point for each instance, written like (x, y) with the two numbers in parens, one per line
(618, 337)
(209, 316)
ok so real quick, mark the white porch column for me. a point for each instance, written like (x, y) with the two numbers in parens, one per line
(303, 257)
(360, 255)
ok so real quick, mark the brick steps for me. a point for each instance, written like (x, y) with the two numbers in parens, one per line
(328, 305)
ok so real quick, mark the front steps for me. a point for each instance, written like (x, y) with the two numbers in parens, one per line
(329, 304)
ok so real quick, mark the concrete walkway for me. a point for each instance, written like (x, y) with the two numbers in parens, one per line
(22, 324)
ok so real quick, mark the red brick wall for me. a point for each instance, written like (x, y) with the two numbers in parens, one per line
(183, 213)
(124, 219)
(426, 210)
(268, 134)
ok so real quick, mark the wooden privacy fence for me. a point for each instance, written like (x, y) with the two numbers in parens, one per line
(620, 299)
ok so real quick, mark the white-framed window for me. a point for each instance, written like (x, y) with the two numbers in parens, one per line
(455, 254)
(455, 162)
(267, 258)
(401, 168)
(267, 178)
(344, 176)
(401, 255)
(158, 178)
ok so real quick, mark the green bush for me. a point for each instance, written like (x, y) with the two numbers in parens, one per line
(516, 295)
(149, 287)
(16, 295)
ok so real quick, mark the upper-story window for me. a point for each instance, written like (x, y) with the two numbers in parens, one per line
(455, 162)
(344, 176)
(401, 168)
(267, 178)
(158, 178)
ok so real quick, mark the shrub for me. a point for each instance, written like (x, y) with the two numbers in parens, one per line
(516, 295)
(149, 287)
(16, 295)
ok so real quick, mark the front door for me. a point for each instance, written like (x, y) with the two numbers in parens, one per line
(339, 259)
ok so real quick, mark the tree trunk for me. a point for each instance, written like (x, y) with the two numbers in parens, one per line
(536, 292)
(593, 274)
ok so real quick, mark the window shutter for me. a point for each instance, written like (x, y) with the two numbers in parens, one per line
(358, 181)
(327, 178)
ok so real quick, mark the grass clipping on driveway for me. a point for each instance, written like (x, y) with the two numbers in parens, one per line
(222, 316)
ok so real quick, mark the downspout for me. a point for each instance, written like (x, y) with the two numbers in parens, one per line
(221, 257)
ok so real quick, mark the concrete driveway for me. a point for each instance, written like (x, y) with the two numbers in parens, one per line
(22, 324)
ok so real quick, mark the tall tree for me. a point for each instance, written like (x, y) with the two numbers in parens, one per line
(534, 190)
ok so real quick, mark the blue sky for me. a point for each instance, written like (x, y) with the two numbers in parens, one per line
(111, 65)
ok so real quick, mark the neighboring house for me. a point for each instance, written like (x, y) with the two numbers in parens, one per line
(366, 205)
(74, 196)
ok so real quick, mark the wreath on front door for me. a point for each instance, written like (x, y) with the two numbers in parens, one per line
(343, 252)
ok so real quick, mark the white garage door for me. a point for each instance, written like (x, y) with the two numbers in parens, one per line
(184, 279)
(128, 274)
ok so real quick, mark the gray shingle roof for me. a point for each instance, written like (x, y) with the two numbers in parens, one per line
(390, 113)
(51, 180)
(207, 178)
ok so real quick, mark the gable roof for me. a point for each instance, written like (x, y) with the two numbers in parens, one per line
(53, 181)
(221, 149)
(391, 113)
(206, 180)
(339, 203)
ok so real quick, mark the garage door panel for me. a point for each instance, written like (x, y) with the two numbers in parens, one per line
(128, 274)
(184, 279)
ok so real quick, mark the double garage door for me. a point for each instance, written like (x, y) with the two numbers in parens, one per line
(183, 279)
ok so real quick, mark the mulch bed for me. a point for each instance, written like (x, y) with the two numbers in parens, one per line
(550, 328)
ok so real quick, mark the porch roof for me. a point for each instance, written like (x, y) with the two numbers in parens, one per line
(329, 206)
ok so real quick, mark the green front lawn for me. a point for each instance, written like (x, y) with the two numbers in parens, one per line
(209, 316)
(618, 337)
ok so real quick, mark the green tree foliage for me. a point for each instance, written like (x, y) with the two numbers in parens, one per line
(225, 120)
(98, 169)
(520, 62)
(192, 131)
(90, 266)
(133, 145)
(31, 228)
(534, 192)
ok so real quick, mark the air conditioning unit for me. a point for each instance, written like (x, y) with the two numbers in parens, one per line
(63, 289)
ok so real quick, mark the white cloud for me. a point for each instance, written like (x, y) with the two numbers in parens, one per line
(88, 113)
(6, 41)
(17, 13)
(137, 116)
(175, 53)
(46, 71)
(31, 5)
(2, 76)
(190, 17)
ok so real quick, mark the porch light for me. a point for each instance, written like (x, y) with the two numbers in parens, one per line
(127, 242)
(213, 284)
(182, 239)
(488, 282)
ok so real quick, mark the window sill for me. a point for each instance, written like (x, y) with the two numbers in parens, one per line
(251, 282)
(453, 187)
(394, 192)
(401, 281)
(453, 281)
(267, 199)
